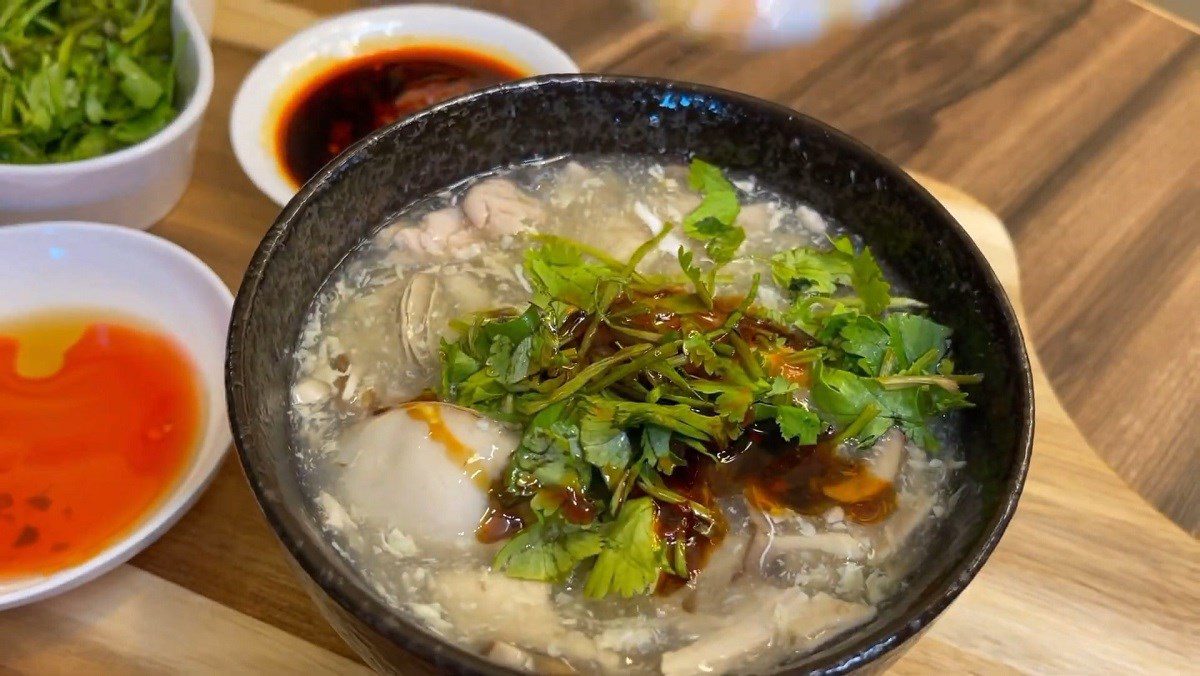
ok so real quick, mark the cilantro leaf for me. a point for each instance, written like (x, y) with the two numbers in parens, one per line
(720, 201)
(693, 272)
(656, 449)
(549, 454)
(869, 283)
(700, 353)
(457, 366)
(721, 240)
(912, 336)
(509, 362)
(559, 271)
(630, 558)
(604, 445)
(807, 270)
(712, 221)
(778, 387)
(798, 424)
(866, 339)
(547, 551)
(841, 396)
(734, 403)
(678, 418)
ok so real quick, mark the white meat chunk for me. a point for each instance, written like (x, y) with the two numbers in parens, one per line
(441, 235)
(617, 236)
(499, 207)
(668, 245)
(492, 606)
(757, 219)
(839, 545)
(887, 454)
(722, 650)
(725, 564)
(912, 510)
(805, 623)
(785, 617)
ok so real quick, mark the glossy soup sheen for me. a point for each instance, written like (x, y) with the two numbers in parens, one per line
(355, 97)
(100, 418)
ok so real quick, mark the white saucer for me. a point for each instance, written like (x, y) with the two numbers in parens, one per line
(68, 265)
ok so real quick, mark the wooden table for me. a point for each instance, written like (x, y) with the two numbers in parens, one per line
(1075, 121)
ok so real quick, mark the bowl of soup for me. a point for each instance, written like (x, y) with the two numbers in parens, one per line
(591, 374)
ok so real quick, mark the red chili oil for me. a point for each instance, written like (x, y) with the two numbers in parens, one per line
(352, 98)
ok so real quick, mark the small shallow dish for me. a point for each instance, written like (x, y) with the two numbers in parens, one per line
(263, 93)
(134, 186)
(73, 265)
(554, 115)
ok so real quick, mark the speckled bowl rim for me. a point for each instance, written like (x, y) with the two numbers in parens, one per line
(359, 602)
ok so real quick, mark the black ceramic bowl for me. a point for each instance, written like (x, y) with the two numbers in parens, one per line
(554, 115)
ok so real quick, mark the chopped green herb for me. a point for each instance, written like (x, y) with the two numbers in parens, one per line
(80, 78)
(630, 558)
(620, 378)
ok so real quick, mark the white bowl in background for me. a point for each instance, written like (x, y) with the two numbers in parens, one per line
(263, 93)
(133, 186)
(73, 265)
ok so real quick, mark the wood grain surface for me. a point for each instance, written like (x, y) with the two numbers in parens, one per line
(1074, 121)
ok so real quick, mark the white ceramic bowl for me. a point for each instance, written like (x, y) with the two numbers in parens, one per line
(264, 91)
(134, 186)
(89, 265)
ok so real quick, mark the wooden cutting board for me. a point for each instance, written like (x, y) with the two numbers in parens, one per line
(1088, 579)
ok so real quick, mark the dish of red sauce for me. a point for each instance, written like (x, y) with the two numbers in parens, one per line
(352, 98)
(99, 417)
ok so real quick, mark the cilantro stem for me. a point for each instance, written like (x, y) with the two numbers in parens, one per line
(948, 383)
(924, 360)
(646, 247)
(869, 413)
(655, 488)
(589, 335)
(690, 401)
(595, 252)
(668, 371)
(740, 310)
(746, 356)
(658, 353)
(591, 371)
(888, 362)
(648, 336)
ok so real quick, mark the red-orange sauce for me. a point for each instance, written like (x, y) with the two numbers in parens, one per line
(355, 97)
(98, 419)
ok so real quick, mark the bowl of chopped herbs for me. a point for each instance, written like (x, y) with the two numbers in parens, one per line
(100, 107)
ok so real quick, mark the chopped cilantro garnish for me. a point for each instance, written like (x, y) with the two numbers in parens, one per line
(80, 78)
(630, 557)
(620, 378)
(547, 551)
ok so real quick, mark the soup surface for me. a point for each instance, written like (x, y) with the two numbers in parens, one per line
(355, 97)
(604, 414)
(99, 416)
